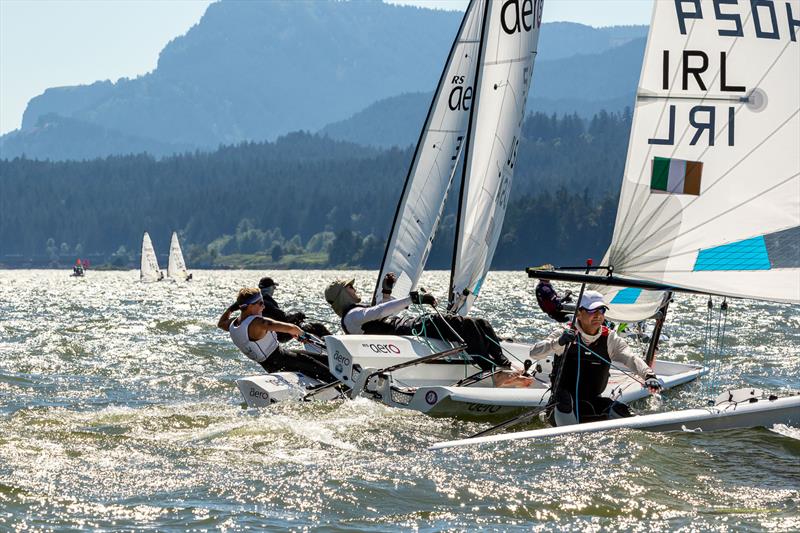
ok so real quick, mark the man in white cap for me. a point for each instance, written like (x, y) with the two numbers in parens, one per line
(591, 348)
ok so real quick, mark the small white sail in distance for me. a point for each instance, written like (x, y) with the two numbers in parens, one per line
(710, 196)
(149, 270)
(435, 159)
(511, 35)
(176, 268)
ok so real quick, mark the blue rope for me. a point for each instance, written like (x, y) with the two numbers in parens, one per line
(577, 383)
(611, 363)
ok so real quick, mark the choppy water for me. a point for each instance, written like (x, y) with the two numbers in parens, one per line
(118, 410)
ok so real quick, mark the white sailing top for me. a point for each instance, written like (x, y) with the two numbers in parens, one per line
(258, 350)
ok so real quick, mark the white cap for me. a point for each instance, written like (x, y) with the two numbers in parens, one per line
(592, 300)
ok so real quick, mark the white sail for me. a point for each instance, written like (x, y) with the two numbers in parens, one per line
(710, 197)
(176, 268)
(435, 159)
(511, 34)
(149, 270)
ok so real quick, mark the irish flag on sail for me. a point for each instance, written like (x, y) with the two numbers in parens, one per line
(676, 176)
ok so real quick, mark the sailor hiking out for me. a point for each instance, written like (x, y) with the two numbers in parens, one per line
(383, 319)
(255, 336)
(584, 357)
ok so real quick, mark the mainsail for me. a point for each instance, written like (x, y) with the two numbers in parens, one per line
(149, 270)
(710, 197)
(435, 159)
(511, 34)
(176, 268)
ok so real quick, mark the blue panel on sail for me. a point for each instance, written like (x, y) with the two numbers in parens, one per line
(626, 296)
(749, 254)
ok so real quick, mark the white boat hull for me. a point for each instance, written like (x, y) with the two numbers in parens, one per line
(726, 415)
(265, 389)
(430, 387)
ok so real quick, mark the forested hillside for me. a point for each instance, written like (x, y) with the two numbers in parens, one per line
(303, 200)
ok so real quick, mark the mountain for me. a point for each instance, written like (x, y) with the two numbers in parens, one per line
(251, 71)
(584, 83)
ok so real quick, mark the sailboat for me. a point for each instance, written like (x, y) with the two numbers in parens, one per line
(149, 270)
(476, 114)
(176, 267)
(710, 199)
(506, 49)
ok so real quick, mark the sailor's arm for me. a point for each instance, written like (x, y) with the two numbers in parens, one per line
(546, 347)
(620, 352)
(263, 325)
(224, 322)
(361, 315)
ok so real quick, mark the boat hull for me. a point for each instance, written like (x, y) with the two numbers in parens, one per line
(727, 415)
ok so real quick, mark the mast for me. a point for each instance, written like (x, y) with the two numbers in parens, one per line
(656, 336)
(451, 296)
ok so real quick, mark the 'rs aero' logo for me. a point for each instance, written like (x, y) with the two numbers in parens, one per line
(382, 348)
(521, 15)
(257, 393)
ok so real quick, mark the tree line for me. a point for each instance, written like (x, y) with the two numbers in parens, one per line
(305, 200)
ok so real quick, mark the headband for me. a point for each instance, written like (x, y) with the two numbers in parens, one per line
(250, 301)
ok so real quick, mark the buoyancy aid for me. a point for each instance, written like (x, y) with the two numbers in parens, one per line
(258, 350)
(594, 371)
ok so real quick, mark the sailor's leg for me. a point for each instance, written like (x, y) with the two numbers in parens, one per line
(619, 410)
(563, 413)
(315, 328)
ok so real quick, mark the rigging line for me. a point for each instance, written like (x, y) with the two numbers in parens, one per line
(722, 131)
(656, 230)
(630, 208)
(625, 236)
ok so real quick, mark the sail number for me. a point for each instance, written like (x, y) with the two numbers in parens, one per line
(764, 12)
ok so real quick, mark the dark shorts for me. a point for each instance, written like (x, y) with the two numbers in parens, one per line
(312, 365)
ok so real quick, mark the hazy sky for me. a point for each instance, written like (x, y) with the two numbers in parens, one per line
(51, 43)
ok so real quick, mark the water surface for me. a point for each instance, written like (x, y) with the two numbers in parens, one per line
(118, 410)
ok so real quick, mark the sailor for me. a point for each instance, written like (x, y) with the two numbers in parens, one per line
(255, 336)
(551, 303)
(383, 319)
(272, 310)
(585, 368)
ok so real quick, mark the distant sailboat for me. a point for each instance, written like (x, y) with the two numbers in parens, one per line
(149, 270)
(176, 268)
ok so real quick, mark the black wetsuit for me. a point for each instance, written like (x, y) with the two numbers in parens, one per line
(477, 333)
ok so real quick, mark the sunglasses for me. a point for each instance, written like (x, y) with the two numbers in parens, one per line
(601, 310)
